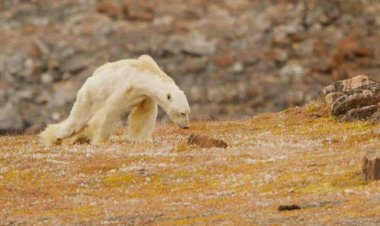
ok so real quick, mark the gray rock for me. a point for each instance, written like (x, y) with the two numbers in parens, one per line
(237, 67)
(76, 63)
(10, 118)
(47, 78)
(292, 69)
(194, 43)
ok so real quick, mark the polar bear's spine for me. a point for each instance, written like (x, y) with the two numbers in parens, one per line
(48, 136)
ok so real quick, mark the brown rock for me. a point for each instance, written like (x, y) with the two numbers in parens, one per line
(111, 9)
(205, 141)
(288, 207)
(224, 60)
(350, 46)
(319, 48)
(139, 10)
(371, 165)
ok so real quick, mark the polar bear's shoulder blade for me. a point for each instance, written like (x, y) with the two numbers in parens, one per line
(149, 64)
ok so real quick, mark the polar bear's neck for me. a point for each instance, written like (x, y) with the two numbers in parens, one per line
(153, 86)
(146, 63)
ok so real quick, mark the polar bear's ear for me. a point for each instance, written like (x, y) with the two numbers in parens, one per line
(149, 63)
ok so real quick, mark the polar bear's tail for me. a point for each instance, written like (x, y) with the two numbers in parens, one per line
(48, 136)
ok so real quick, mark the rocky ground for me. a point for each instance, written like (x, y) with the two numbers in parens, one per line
(301, 156)
(233, 58)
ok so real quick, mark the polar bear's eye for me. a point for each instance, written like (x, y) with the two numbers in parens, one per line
(168, 96)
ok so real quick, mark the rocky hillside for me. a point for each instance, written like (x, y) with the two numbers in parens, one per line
(233, 58)
(300, 161)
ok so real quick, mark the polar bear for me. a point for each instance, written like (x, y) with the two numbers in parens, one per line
(135, 85)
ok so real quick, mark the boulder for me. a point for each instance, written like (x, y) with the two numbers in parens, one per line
(371, 165)
(357, 98)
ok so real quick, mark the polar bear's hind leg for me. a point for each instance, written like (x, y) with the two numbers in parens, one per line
(141, 121)
(79, 116)
(48, 136)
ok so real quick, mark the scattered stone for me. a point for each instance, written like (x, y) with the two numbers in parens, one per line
(139, 10)
(10, 118)
(205, 141)
(76, 63)
(46, 78)
(142, 171)
(56, 116)
(224, 60)
(289, 207)
(198, 44)
(322, 13)
(371, 165)
(238, 67)
(111, 9)
(292, 69)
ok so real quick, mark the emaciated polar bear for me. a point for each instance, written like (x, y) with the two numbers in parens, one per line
(115, 88)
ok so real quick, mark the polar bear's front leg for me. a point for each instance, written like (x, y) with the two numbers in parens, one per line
(105, 120)
(141, 121)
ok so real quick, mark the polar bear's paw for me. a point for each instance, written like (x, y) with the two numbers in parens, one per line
(98, 141)
(140, 139)
(48, 136)
(118, 138)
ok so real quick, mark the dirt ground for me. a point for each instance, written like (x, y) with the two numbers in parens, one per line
(297, 156)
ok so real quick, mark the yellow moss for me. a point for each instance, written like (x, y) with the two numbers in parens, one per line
(313, 107)
(319, 188)
(205, 219)
(346, 180)
(118, 180)
(182, 146)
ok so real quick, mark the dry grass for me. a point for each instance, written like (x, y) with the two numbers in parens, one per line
(298, 156)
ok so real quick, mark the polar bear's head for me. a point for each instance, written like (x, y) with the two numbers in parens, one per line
(170, 97)
(175, 104)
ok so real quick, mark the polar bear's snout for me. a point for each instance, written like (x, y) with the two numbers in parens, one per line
(181, 120)
(183, 123)
(184, 126)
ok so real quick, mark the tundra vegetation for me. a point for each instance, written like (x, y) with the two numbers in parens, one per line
(301, 156)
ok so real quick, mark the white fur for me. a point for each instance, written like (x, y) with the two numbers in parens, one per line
(136, 85)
